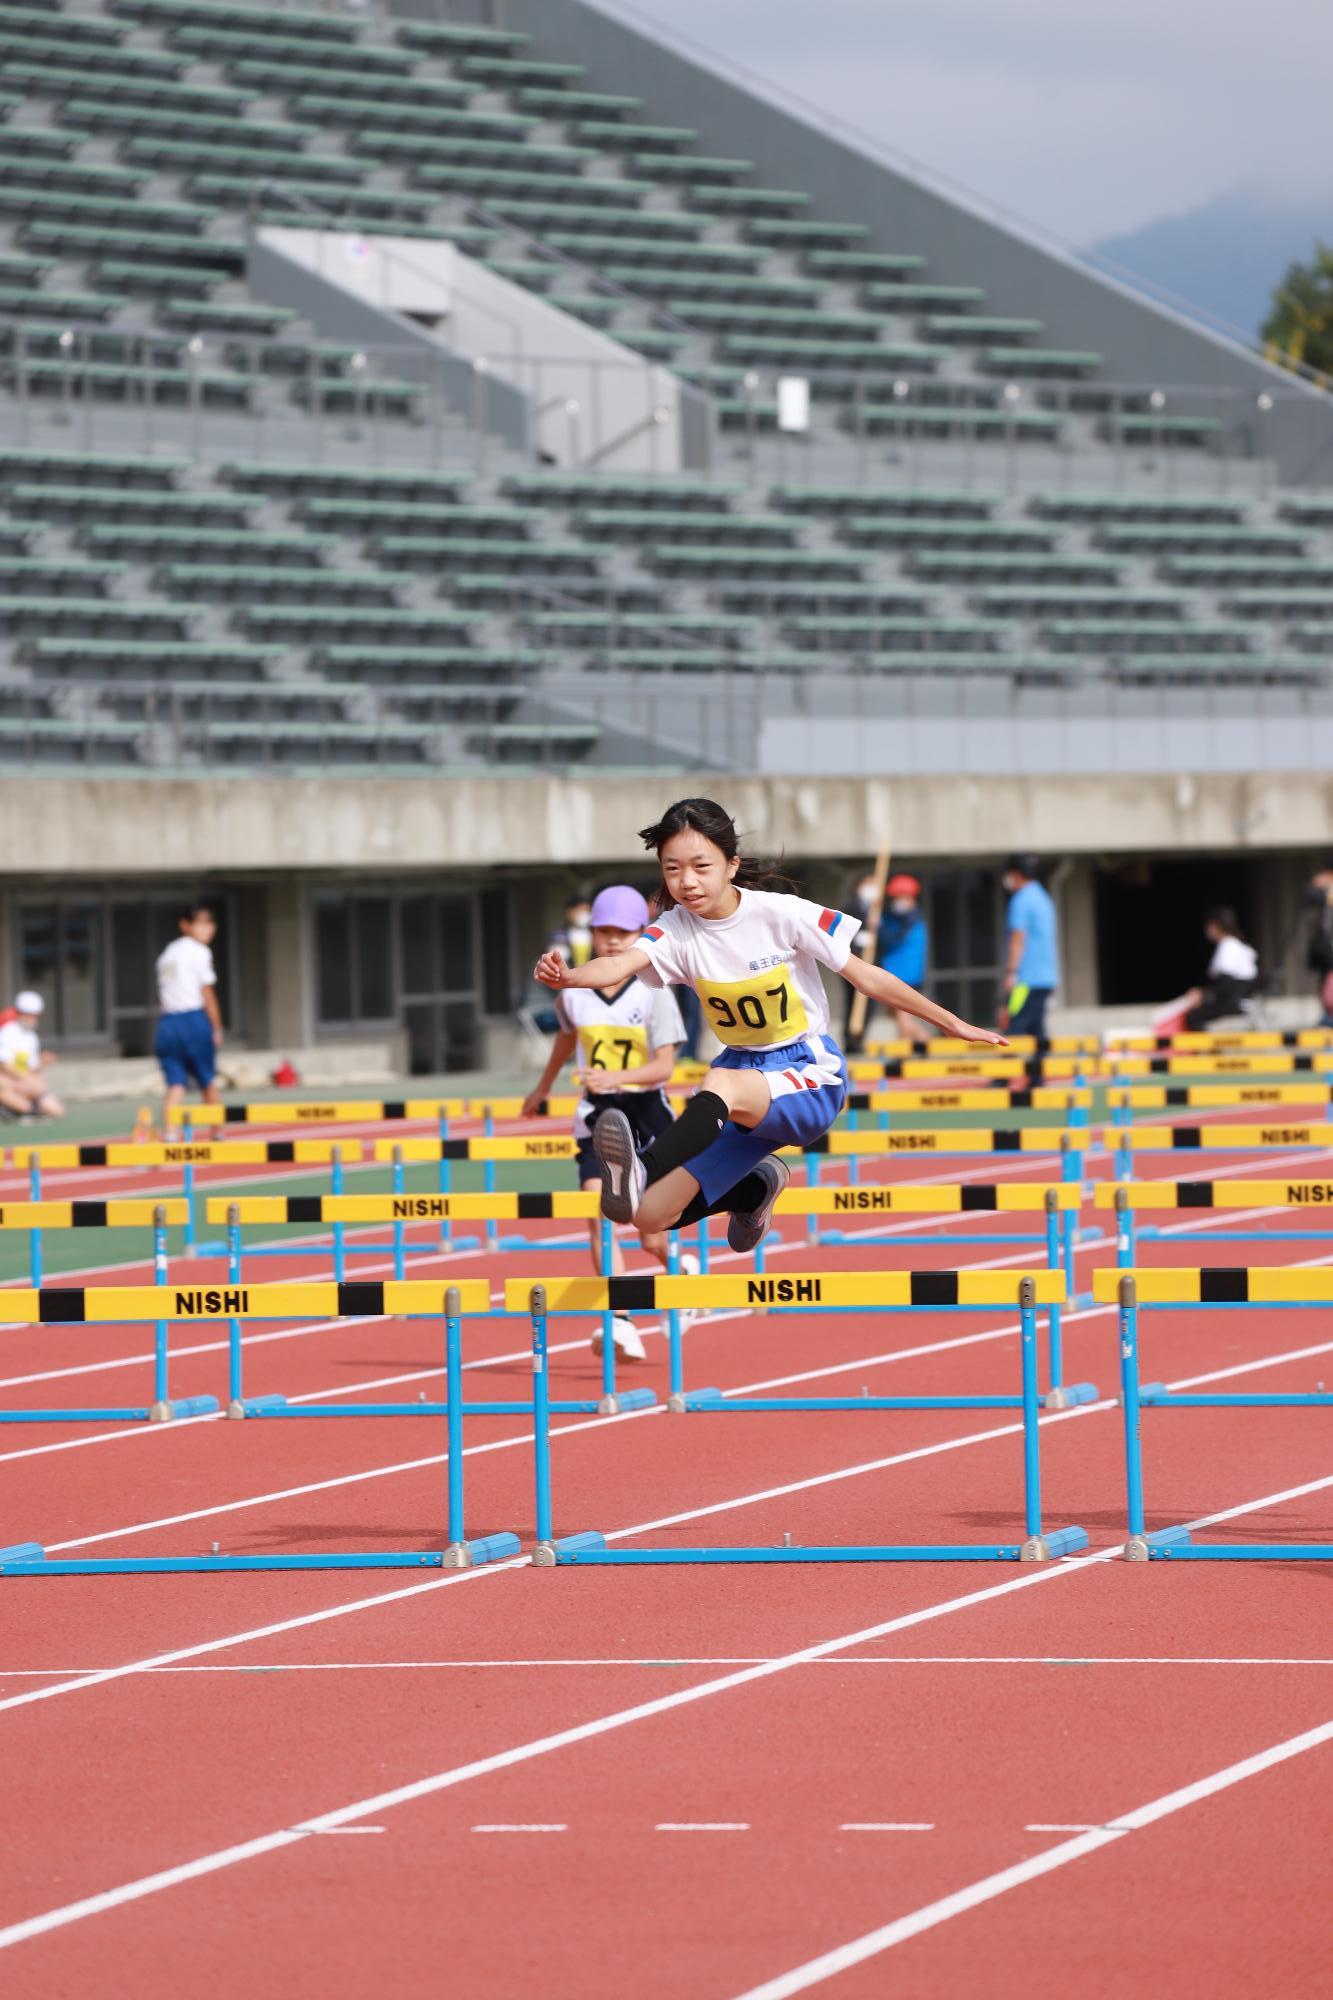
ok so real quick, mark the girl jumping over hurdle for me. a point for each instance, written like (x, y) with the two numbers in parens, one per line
(752, 950)
(625, 1038)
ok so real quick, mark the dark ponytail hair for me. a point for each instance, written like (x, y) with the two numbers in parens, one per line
(705, 816)
(1226, 920)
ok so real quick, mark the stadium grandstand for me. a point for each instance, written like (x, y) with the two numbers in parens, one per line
(430, 434)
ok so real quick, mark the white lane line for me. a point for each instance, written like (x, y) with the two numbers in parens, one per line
(702, 1826)
(887, 1826)
(518, 1826)
(990, 1887)
(523, 1753)
(1055, 1826)
(340, 1829)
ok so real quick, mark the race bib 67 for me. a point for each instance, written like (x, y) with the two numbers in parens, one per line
(613, 1046)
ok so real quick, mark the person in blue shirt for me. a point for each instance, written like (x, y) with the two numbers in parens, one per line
(1032, 952)
(903, 943)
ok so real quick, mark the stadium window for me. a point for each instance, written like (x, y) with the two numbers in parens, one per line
(60, 954)
(963, 910)
(497, 974)
(439, 982)
(353, 959)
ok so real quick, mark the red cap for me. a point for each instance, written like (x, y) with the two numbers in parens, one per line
(902, 885)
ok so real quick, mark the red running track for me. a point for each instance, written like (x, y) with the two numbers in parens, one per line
(749, 1769)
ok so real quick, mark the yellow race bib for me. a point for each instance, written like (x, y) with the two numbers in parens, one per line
(611, 1045)
(755, 1012)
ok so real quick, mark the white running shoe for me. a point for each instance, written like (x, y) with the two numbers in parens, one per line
(623, 1173)
(628, 1340)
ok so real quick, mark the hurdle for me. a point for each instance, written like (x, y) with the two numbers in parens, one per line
(1218, 1063)
(187, 1154)
(1018, 1045)
(1204, 1041)
(399, 1209)
(884, 1104)
(1129, 1290)
(877, 1291)
(155, 1215)
(994, 1068)
(1128, 1197)
(1127, 1140)
(326, 1111)
(208, 1306)
(1058, 1205)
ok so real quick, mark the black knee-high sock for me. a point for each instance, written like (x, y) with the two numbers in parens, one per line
(740, 1200)
(693, 1132)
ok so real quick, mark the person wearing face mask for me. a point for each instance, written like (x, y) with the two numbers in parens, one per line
(903, 943)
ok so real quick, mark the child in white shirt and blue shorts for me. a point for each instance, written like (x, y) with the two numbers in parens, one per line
(753, 956)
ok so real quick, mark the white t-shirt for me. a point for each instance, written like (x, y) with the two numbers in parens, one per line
(20, 1047)
(184, 969)
(756, 971)
(1234, 959)
(620, 1033)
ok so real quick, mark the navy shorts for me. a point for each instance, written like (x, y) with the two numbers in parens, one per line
(185, 1048)
(809, 1081)
(648, 1113)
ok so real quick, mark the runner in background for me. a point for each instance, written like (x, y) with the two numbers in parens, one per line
(189, 1027)
(625, 1037)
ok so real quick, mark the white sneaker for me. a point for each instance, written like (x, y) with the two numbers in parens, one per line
(623, 1173)
(628, 1340)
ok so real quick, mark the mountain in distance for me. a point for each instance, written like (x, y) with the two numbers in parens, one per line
(1226, 256)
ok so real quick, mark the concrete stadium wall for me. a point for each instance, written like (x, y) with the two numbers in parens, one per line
(95, 828)
(1143, 344)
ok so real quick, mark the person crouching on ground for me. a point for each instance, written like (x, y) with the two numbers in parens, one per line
(23, 1064)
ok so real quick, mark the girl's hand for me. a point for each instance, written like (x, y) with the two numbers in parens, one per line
(965, 1032)
(533, 1103)
(600, 1082)
(551, 970)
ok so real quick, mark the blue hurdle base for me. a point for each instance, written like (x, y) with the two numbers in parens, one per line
(278, 1406)
(189, 1565)
(1160, 1397)
(1175, 1545)
(144, 1413)
(484, 1549)
(1069, 1395)
(590, 1550)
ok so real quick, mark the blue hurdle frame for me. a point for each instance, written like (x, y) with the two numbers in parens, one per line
(161, 1410)
(1174, 1544)
(30, 1558)
(588, 1550)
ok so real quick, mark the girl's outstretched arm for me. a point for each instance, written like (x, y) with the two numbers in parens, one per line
(893, 992)
(551, 969)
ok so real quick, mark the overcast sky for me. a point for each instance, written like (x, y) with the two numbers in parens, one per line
(1085, 119)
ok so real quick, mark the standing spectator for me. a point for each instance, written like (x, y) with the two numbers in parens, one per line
(189, 1028)
(903, 944)
(23, 1088)
(1032, 952)
(1318, 900)
(573, 938)
(1233, 973)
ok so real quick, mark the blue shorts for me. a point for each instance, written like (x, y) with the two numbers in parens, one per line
(185, 1048)
(810, 1094)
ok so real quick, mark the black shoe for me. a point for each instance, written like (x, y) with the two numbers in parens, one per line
(623, 1176)
(749, 1227)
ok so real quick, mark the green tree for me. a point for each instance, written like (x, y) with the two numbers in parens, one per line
(1299, 328)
